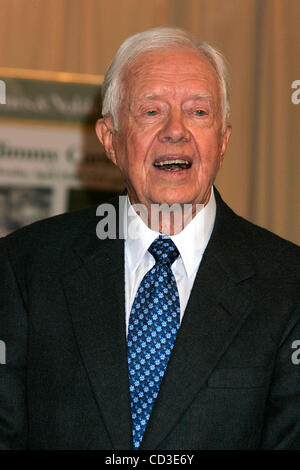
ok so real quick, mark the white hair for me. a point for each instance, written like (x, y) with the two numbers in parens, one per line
(158, 38)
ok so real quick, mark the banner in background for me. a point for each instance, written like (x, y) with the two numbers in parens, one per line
(50, 158)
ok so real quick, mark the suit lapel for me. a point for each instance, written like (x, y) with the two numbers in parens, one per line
(94, 289)
(218, 306)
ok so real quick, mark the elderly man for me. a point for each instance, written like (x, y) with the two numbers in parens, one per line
(178, 338)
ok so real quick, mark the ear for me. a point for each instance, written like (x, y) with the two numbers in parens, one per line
(104, 131)
(225, 139)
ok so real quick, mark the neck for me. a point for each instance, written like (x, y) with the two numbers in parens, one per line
(168, 219)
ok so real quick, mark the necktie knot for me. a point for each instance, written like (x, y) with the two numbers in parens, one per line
(164, 250)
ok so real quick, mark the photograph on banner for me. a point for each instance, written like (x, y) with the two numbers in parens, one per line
(50, 158)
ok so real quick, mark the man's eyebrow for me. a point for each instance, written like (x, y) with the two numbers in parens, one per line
(197, 96)
(200, 96)
(151, 96)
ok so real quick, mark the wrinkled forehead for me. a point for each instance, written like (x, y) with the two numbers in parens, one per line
(171, 68)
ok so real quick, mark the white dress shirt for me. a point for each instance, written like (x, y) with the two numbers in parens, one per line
(190, 242)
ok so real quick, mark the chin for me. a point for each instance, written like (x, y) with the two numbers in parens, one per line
(173, 198)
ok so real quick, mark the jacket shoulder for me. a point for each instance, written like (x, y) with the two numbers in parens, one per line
(262, 238)
(243, 240)
(60, 229)
(271, 254)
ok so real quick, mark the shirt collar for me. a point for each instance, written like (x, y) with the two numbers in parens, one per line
(193, 239)
(190, 242)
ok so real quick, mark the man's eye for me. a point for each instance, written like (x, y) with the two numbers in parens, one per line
(200, 112)
(151, 112)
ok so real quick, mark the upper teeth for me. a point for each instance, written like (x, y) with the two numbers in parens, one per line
(170, 162)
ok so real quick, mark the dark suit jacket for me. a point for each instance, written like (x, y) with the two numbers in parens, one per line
(230, 382)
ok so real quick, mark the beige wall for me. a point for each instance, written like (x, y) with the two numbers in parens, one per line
(260, 38)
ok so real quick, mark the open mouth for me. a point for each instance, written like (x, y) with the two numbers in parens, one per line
(175, 164)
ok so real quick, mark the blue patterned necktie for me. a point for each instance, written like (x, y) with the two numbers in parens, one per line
(153, 325)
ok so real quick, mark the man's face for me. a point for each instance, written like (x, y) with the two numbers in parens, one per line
(169, 145)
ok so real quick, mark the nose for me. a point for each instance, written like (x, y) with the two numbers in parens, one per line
(174, 129)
